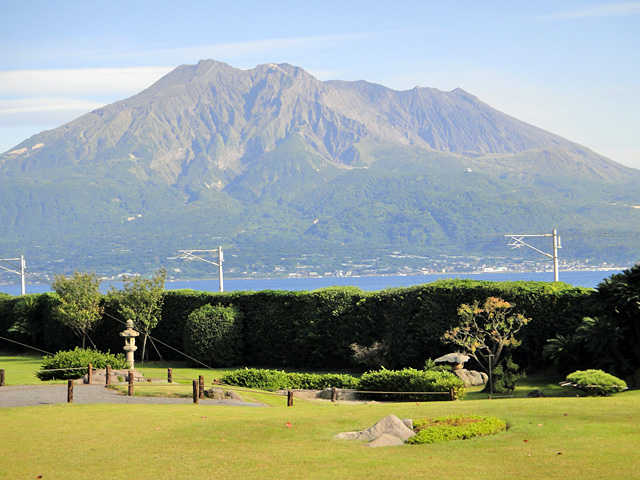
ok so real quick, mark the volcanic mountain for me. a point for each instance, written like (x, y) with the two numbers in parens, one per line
(272, 156)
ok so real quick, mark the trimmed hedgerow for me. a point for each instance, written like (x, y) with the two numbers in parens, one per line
(454, 427)
(412, 380)
(272, 380)
(595, 382)
(316, 381)
(263, 379)
(73, 364)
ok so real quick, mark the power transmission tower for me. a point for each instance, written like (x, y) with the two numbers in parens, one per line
(189, 255)
(517, 242)
(21, 272)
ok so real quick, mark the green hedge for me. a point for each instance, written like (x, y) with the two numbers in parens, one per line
(315, 329)
(272, 380)
(412, 380)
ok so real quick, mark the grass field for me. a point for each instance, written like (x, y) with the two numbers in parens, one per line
(553, 437)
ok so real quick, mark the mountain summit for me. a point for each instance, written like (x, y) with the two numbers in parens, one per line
(269, 149)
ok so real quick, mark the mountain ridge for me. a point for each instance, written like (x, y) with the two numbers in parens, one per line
(260, 150)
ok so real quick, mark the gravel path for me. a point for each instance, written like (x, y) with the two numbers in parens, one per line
(29, 395)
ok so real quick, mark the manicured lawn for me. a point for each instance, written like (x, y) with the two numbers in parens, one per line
(547, 438)
(553, 437)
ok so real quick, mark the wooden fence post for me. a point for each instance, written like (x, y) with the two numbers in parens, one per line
(2, 377)
(170, 375)
(201, 386)
(195, 391)
(334, 394)
(290, 398)
(107, 380)
(453, 394)
(130, 383)
(69, 391)
(89, 374)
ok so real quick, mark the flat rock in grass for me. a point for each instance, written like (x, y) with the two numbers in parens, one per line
(385, 440)
(390, 425)
(231, 395)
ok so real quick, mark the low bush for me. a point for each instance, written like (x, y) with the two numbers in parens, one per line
(73, 363)
(412, 380)
(595, 382)
(272, 380)
(213, 335)
(315, 381)
(263, 379)
(454, 427)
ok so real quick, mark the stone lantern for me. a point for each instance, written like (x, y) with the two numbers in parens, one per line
(129, 342)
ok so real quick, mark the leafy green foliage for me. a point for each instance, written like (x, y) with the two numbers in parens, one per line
(263, 379)
(595, 382)
(79, 305)
(315, 330)
(140, 300)
(271, 380)
(316, 381)
(412, 380)
(76, 361)
(615, 333)
(454, 427)
(213, 335)
(506, 375)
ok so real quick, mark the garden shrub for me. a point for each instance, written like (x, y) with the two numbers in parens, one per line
(454, 427)
(271, 380)
(316, 381)
(412, 380)
(595, 382)
(506, 375)
(262, 379)
(78, 360)
(213, 335)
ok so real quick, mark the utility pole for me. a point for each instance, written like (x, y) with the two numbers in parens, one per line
(21, 272)
(190, 255)
(517, 242)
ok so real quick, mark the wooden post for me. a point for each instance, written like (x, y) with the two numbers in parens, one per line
(89, 374)
(334, 394)
(170, 375)
(69, 391)
(201, 386)
(290, 398)
(130, 383)
(2, 377)
(453, 394)
(195, 391)
(107, 380)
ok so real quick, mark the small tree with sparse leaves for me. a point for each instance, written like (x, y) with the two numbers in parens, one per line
(487, 331)
(140, 300)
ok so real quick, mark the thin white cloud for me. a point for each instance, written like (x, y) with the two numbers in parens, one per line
(40, 113)
(621, 9)
(82, 81)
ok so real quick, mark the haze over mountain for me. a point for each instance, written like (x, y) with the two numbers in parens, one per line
(271, 157)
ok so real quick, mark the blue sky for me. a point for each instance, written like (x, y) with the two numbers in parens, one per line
(570, 67)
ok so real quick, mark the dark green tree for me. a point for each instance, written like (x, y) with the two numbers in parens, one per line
(615, 332)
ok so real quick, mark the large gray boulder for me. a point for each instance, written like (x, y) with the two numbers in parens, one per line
(472, 378)
(389, 425)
